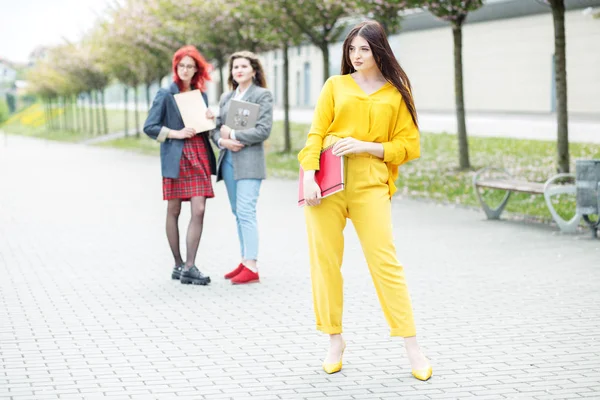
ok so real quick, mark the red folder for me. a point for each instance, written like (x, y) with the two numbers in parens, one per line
(329, 177)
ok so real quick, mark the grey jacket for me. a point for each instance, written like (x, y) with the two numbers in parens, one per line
(249, 162)
(164, 115)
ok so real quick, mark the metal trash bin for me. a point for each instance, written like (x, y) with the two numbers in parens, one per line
(587, 176)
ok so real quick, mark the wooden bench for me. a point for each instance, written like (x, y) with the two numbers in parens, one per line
(510, 185)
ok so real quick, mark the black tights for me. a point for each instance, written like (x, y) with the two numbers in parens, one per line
(194, 232)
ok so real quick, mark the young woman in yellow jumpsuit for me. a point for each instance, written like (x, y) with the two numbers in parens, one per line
(367, 113)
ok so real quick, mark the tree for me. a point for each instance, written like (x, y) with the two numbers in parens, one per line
(455, 12)
(94, 78)
(147, 35)
(11, 102)
(279, 31)
(224, 29)
(560, 68)
(137, 48)
(386, 12)
(117, 61)
(61, 75)
(322, 21)
(43, 83)
(560, 65)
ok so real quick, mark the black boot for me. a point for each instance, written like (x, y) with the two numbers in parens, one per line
(176, 273)
(194, 276)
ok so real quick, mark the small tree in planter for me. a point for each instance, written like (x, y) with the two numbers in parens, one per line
(455, 12)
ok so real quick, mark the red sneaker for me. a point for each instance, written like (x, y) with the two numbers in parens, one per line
(235, 271)
(246, 276)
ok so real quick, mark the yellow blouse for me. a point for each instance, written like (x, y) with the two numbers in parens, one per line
(345, 110)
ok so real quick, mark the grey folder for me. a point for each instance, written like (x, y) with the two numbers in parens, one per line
(241, 115)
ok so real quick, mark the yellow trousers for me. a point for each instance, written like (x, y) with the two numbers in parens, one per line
(366, 201)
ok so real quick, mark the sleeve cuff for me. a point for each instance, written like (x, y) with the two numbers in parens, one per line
(390, 153)
(311, 165)
(232, 134)
(163, 134)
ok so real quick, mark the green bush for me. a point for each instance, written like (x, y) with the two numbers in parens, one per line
(3, 111)
(11, 101)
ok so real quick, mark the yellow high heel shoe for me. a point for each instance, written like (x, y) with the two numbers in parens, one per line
(423, 374)
(332, 368)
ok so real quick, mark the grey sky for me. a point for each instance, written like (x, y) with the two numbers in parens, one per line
(26, 24)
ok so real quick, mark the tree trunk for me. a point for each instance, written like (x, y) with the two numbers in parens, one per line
(45, 106)
(73, 120)
(56, 115)
(126, 94)
(104, 116)
(98, 118)
(76, 113)
(385, 26)
(220, 64)
(560, 66)
(59, 114)
(83, 122)
(325, 50)
(91, 119)
(148, 96)
(65, 114)
(287, 147)
(463, 143)
(48, 109)
(48, 114)
(137, 122)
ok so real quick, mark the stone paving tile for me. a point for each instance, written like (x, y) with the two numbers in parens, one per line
(504, 309)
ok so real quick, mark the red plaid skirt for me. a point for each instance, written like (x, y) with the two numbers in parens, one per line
(194, 173)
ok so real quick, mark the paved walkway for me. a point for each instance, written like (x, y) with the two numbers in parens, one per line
(87, 308)
(518, 126)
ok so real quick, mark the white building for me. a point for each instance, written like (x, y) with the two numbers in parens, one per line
(508, 48)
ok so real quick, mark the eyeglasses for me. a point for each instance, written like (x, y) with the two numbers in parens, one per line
(188, 66)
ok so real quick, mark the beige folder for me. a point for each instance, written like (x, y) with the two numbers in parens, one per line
(193, 111)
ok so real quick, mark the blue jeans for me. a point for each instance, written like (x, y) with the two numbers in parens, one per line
(243, 195)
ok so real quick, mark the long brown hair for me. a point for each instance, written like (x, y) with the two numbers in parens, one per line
(259, 76)
(391, 70)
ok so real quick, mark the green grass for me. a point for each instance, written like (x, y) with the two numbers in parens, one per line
(143, 144)
(280, 164)
(116, 120)
(42, 133)
(276, 141)
(434, 176)
(31, 122)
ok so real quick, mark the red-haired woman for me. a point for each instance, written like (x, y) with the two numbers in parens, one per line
(187, 160)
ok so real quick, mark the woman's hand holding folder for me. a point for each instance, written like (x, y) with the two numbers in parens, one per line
(187, 133)
(184, 133)
(350, 145)
(230, 144)
(312, 191)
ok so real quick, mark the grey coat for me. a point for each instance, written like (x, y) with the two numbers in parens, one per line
(249, 162)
